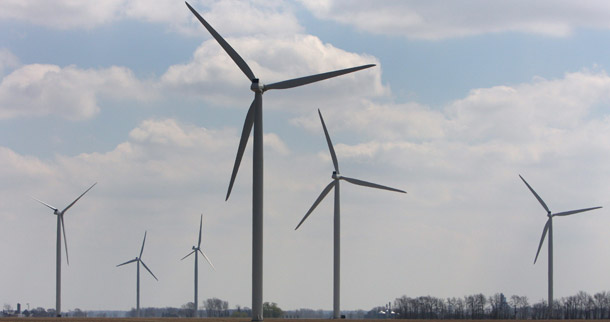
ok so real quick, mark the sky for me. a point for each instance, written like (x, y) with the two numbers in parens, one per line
(465, 96)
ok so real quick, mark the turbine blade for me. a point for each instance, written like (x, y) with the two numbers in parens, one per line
(44, 203)
(571, 212)
(127, 262)
(315, 204)
(546, 228)
(313, 78)
(369, 184)
(200, 225)
(63, 229)
(536, 195)
(225, 45)
(151, 273)
(207, 259)
(189, 254)
(144, 241)
(245, 134)
(73, 202)
(330, 144)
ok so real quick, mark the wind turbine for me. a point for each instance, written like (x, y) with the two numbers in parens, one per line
(548, 228)
(197, 250)
(139, 260)
(254, 118)
(61, 228)
(337, 220)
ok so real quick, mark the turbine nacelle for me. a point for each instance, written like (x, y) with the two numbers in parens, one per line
(256, 86)
(336, 175)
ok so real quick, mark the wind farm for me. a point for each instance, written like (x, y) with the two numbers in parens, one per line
(448, 102)
(254, 118)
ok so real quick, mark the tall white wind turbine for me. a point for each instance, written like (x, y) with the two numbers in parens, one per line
(197, 250)
(139, 260)
(337, 218)
(61, 228)
(254, 118)
(548, 228)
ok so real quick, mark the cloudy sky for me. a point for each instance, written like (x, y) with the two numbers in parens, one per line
(137, 96)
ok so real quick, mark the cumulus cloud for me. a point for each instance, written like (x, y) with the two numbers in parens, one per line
(461, 179)
(21, 166)
(69, 92)
(263, 17)
(170, 133)
(8, 60)
(241, 18)
(66, 13)
(559, 125)
(439, 19)
(74, 93)
(537, 109)
(213, 75)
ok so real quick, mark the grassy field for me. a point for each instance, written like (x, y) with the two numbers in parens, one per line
(234, 320)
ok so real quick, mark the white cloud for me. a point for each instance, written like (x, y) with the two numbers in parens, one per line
(464, 201)
(70, 92)
(262, 17)
(440, 19)
(169, 132)
(21, 166)
(7, 60)
(538, 109)
(39, 90)
(213, 75)
(66, 13)
(239, 18)
(273, 141)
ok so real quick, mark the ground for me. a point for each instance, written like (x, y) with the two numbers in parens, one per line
(232, 320)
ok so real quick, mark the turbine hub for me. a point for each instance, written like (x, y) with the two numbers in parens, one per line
(336, 175)
(256, 86)
(549, 214)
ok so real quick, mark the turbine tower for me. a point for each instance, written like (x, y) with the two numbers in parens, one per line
(337, 218)
(61, 228)
(548, 228)
(254, 118)
(197, 250)
(139, 260)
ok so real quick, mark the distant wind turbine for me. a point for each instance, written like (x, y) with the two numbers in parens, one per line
(60, 228)
(254, 118)
(337, 220)
(139, 260)
(197, 250)
(548, 228)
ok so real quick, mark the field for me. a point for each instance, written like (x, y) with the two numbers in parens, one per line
(233, 320)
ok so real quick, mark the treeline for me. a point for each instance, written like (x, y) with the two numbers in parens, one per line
(214, 307)
(478, 306)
